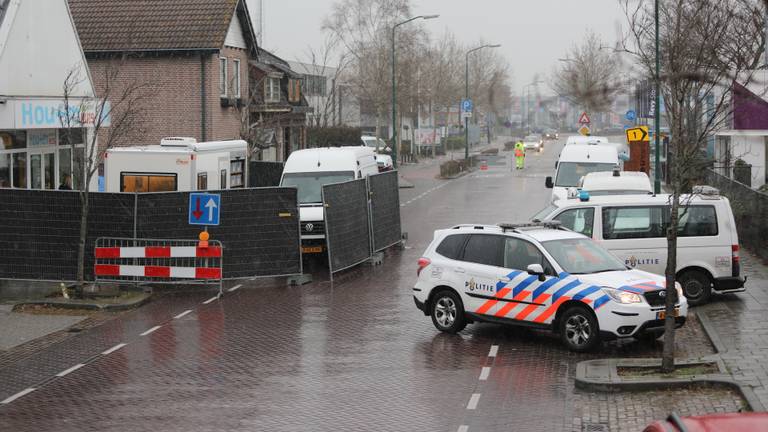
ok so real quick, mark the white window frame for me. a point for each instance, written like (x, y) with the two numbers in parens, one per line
(223, 77)
(236, 77)
(269, 95)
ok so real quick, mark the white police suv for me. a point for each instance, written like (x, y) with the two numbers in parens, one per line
(539, 275)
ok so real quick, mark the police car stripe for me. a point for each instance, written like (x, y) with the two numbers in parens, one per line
(524, 284)
(585, 292)
(561, 292)
(632, 289)
(530, 308)
(601, 301)
(545, 286)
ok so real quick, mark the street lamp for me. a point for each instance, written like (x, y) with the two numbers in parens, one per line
(657, 112)
(527, 104)
(466, 95)
(394, 83)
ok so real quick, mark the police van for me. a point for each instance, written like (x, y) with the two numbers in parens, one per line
(576, 161)
(633, 227)
(539, 275)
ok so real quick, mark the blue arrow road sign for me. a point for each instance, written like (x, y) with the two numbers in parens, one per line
(466, 105)
(631, 115)
(204, 208)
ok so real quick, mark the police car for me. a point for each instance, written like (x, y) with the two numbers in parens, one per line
(539, 275)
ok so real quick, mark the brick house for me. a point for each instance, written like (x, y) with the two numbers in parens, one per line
(192, 55)
(278, 107)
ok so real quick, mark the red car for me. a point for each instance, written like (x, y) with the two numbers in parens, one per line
(732, 422)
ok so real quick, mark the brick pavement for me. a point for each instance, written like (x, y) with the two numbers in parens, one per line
(741, 324)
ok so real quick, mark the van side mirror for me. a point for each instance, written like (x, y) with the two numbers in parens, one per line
(537, 269)
(548, 183)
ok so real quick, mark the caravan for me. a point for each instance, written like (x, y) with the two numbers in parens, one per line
(177, 164)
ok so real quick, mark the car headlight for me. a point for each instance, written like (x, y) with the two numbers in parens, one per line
(620, 296)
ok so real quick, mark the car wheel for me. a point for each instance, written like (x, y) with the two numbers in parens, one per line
(579, 329)
(697, 287)
(448, 312)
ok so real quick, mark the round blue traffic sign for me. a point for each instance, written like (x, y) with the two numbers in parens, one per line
(631, 115)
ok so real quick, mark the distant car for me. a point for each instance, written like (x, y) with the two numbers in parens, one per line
(383, 159)
(534, 142)
(384, 162)
(731, 422)
(551, 134)
(616, 183)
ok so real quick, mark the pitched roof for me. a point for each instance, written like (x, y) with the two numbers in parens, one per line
(155, 25)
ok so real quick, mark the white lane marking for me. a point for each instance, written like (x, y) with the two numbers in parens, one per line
(463, 428)
(484, 372)
(235, 288)
(211, 299)
(473, 401)
(494, 351)
(183, 314)
(70, 370)
(114, 348)
(18, 395)
(153, 329)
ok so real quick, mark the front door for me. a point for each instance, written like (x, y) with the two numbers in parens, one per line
(481, 262)
(42, 170)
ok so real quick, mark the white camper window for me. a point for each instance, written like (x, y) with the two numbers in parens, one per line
(236, 77)
(223, 76)
(202, 181)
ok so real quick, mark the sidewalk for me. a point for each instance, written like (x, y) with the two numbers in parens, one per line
(740, 326)
(19, 328)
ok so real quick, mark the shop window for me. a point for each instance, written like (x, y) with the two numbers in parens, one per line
(202, 181)
(11, 140)
(147, 182)
(19, 170)
(71, 136)
(5, 171)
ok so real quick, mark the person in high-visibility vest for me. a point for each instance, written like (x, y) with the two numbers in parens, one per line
(519, 155)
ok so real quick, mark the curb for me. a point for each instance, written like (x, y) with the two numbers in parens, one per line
(709, 330)
(88, 306)
(612, 383)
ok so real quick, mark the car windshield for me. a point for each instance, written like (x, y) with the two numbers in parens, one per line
(310, 185)
(582, 256)
(569, 173)
(370, 142)
(543, 213)
(531, 138)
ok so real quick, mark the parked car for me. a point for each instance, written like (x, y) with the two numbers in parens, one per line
(633, 227)
(730, 422)
(379, 146)
(538, 275)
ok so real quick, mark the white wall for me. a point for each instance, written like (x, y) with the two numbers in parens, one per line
(752, 150)
(38, 47)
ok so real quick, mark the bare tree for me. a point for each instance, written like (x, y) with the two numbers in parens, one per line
(705, 46)
(112, 116)
(589, 75)
(325, 63)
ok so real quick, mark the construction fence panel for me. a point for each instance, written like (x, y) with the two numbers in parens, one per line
(40, 231)
(259, 228)
(264, 174)
(347, 224)
(386, 229)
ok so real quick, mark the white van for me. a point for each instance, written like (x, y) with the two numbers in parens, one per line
(633, 227)
(575, 162)
(616, 183)
(308, 170)
(177, 164)
(582, 139)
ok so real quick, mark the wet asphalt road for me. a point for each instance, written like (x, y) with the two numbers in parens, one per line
(353, 356)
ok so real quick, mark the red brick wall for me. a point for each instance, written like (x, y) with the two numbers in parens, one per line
(171, 101)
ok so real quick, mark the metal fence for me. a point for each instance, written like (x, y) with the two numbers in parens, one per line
(126, 260)
(750, 209)
(386, 229)
(347, 224)
(264, 174)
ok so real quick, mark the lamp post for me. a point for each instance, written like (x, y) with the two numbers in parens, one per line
(466, 95)
(394, 86)
(527, 105)
(657, 111)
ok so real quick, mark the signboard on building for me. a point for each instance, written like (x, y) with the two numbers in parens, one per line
(50, 114)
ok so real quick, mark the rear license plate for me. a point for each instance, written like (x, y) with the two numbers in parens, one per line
(311, 249)
(660, 315)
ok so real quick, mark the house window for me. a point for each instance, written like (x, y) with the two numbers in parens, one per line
(272, 89)
(223, 76)
(236, 77)
(294, 91)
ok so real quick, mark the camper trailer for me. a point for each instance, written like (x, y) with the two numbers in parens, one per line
(177, 164)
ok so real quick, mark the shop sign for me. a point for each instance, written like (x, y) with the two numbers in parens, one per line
(52, 114)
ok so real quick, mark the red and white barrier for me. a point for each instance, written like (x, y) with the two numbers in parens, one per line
(158, 271)
(158, 252)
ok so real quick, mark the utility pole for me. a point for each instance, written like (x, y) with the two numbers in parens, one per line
(657, 110)
(466, 95)
(394, 86)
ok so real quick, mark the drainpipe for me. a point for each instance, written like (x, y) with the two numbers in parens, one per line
(203, 102)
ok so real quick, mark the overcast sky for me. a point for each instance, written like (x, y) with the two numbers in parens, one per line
(533, 33)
